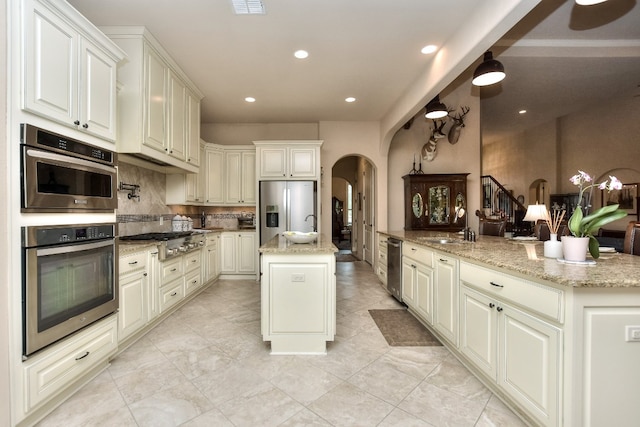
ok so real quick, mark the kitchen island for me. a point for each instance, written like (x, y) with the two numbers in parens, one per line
(298, 295)
(555, 341)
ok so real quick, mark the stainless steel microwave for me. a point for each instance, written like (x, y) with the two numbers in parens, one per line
(60, 174)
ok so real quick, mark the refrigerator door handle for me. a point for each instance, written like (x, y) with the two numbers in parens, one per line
(287, 207)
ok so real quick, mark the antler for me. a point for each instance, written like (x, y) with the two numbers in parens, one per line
(460, 119)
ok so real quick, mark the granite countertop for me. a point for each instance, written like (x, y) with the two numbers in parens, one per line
(610, 270)
(280, 245)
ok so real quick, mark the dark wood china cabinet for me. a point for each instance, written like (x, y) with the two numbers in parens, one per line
(435, 201)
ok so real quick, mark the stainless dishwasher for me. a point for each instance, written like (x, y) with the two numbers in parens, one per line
(394, 268)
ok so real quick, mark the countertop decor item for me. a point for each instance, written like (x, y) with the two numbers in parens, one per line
(553, 247)
(586, 226)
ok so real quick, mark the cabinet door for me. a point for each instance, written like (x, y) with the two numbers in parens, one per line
(273, 162)
(153, 286)
(408, 281)
(233, 184)
(211, 263)
(51, 66)
(155, 74)
(446, 297)
(132, 314)
(193, 129)
(424, 292)
(478, 329)
(177, 111)
(247, 253)
(98, 103)
(228, 253)
(302, 163)
(530, 355)
(214, 177)
(248, 177)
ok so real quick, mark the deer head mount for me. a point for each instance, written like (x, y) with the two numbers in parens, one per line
(429, 149)
(458, 124)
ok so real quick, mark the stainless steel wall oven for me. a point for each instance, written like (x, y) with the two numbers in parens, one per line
(60, 174)
(69, 280)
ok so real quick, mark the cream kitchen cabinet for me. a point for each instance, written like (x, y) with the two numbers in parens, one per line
(158, 105)
(187, 188)
(134, 289)
(381, 265)
(288, 159)
(417, 280)
(240, 177)
(69, 69)
(193, 271)
(445, 296)
(211, 258)
(214, 175)
(517, 347)
(238, 253)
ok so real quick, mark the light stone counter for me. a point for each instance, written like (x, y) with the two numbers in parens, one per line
(610, 270)
(280, 245)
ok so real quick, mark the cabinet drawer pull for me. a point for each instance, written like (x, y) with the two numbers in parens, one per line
(444, 260)
(194, 282)
(496, 285)
(86, 353)
(133, 262)
(414, 249)
(174, 269)
(174, 294)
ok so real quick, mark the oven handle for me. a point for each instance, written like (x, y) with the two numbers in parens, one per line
(65, 159)
(73, 248)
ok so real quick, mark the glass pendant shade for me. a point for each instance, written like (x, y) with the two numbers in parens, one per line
(436, 109)
(489, 72)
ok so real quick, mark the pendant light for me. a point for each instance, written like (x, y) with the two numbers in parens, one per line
(436, 109)
(589, 2)
(489, 72)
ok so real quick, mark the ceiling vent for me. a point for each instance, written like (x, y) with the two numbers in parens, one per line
(248, 7)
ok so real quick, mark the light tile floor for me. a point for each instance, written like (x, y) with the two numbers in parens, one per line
(206, 365)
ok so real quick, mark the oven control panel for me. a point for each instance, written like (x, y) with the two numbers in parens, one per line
(53, 235)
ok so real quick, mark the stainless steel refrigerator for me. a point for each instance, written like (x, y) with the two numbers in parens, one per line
(287, 206)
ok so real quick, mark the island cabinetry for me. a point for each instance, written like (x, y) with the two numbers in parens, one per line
(70, 69)
(381, 266)
(434, 201)
(238, 253)
(298, 302)
(288, 160)
(240, 177)
(418, 280)
(516, 347)
(157, 104)
(445, 296)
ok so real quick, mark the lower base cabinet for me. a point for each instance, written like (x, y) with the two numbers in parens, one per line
(445, 296)
(238, 253)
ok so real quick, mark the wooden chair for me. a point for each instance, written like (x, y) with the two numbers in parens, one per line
(632, 238)
(542, 232)
(492, 227)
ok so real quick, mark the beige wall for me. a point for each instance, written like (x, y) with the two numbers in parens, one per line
(462, 157)
(601, 140)
(246, 133)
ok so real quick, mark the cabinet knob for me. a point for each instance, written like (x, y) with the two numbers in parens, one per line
(86, 125)
(499, 308)
(77, 122)
(491, 305)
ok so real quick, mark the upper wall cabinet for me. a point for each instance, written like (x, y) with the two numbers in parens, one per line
(158, 105)
(69, 69)
(288, 159)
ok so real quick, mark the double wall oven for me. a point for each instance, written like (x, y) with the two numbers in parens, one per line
(69, 272)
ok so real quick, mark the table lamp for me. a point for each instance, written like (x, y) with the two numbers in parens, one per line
(535, 212)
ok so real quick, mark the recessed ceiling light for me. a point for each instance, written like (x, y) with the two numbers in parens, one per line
(522, 112)
(248, 7)
(250, 99)
(301, 54)
(350, 99)
(429, 49)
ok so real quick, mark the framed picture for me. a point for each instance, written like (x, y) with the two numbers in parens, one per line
(627, 198)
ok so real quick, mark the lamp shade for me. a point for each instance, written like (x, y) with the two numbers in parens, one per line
(489, 72)
(535, 212)
(589, 2)
(436, 109)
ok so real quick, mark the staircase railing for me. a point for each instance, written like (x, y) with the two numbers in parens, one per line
(497, 201)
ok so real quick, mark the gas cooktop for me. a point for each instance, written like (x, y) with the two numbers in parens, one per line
(171, 243)
(157, 236)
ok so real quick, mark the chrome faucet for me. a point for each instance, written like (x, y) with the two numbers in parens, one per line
(314, 221)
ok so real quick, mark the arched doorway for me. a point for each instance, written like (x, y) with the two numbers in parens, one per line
(353, 204)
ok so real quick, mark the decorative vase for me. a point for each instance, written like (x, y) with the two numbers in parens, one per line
(553, 247)
(575, 248)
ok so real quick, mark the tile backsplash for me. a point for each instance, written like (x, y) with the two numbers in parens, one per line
(150, 214)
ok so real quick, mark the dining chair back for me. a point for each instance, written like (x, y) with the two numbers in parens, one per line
(492, 227)
(632, 238)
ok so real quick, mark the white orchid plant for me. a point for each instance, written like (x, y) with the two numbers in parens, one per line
(586, 226)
